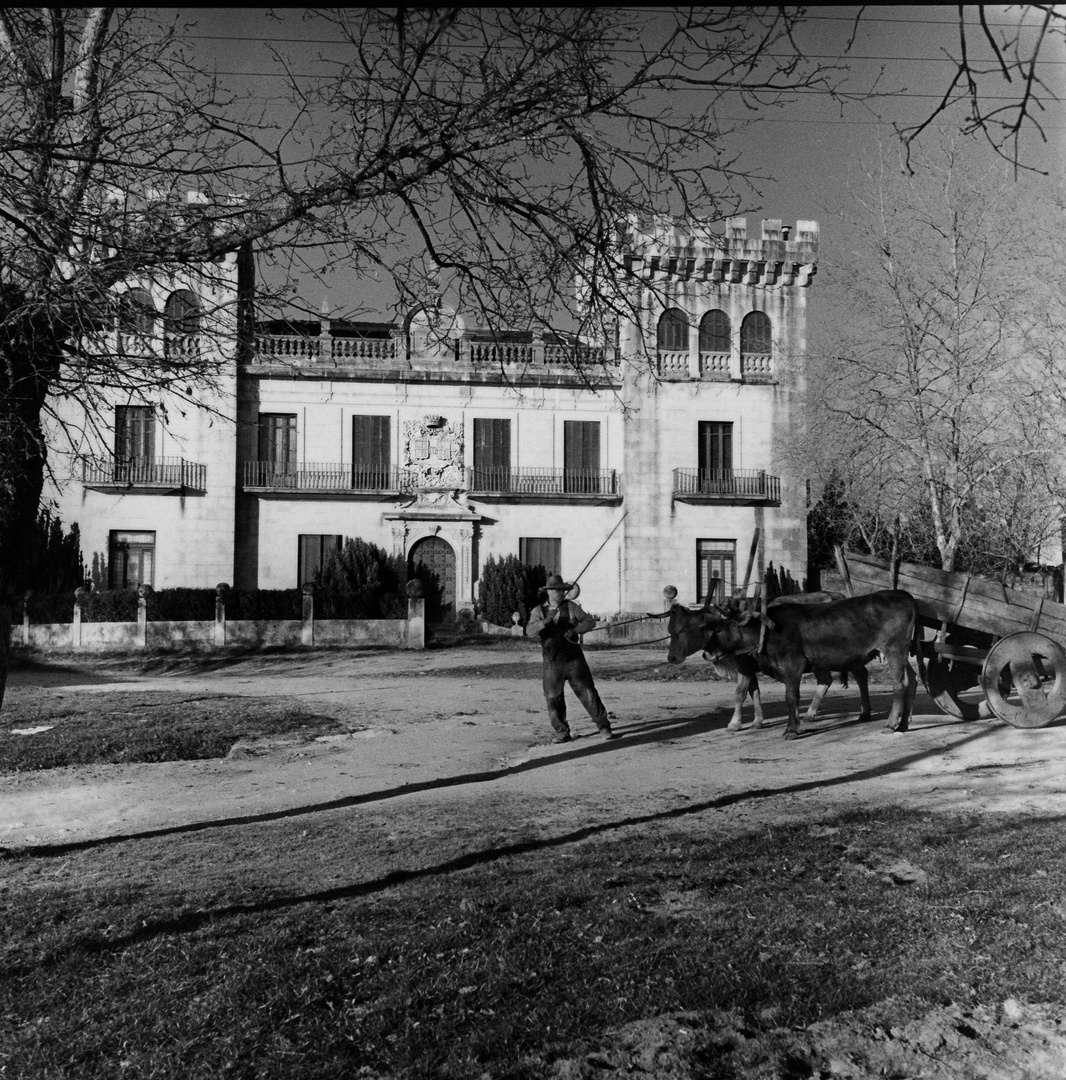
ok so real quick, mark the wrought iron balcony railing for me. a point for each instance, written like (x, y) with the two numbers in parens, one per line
(727, 484)
(532, 481)
(170, 473)
(329, 476)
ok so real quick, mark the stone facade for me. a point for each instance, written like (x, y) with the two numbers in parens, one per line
(439, 442)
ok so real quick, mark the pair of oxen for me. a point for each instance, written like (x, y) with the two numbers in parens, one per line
(811, 632)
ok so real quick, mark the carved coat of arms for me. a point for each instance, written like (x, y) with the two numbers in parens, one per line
(433, 452)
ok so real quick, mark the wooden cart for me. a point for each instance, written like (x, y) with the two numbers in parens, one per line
(996, 651)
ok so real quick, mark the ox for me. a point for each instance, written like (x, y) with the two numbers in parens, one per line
(690, 632)
(838, 636)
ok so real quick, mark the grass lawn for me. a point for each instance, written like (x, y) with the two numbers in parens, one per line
(425, 940)
(332, 952)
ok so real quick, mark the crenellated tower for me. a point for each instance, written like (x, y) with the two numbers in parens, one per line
(714, 380)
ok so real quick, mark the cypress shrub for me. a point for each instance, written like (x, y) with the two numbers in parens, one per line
(361, 581)
(55, 561)
(507, 586)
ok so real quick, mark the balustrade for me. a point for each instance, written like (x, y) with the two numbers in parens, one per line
(144, 472)
(714, 365)
(326, 476)
(533, 481)
(726, 484)
(757, 364)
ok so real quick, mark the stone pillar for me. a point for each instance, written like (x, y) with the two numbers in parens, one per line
(307, 628)
(693, 341)
(220, 613)
(81, 594)
(416, 615)
(142, 614)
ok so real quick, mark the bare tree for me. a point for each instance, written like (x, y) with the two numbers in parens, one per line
(934, 402)
(999, 77)
(489, 153)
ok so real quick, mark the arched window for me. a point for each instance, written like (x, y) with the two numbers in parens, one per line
(181, 317)
(673, 331)
(756, 335)
(136, 313)
(715, 332)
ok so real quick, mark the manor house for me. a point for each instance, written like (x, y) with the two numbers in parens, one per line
(445, 444)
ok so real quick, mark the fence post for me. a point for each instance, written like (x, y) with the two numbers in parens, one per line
(220, 613)
(416, 615)
(81, 594)
(307, 627)
(142, 613)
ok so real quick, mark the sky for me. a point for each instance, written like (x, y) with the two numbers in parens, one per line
(808, 150)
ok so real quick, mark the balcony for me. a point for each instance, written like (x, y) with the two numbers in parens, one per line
(757, 367)
(714, 365)
(149, 476)
(732, 486)
(544, 485)
(308, 349)
(326, 480)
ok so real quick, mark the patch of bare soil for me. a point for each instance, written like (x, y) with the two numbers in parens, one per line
(1010, 1042)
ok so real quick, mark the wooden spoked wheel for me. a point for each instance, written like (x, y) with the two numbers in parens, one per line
(948, 680)
(1024, 679)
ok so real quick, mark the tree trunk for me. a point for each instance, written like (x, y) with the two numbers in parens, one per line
(29, 363)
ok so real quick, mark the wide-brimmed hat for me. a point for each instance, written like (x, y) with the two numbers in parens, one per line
(556, 582)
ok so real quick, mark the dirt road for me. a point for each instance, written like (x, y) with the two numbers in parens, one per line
(469, 724)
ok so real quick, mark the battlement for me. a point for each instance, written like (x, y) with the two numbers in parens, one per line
(779, 256)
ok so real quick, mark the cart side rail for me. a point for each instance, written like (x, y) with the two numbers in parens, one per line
(962, 599)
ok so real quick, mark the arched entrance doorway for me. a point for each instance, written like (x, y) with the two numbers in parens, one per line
(433, 560)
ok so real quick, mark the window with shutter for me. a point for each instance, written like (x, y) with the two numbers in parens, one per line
(131, 559)
(715, 455)
(581, 456)
(134, 442)
(277, 448)
(371, 452)
(545, 551)
(313, 550)
(672, 334)
(715, 332)
(492, 454)
(756, 335)
(716, 569)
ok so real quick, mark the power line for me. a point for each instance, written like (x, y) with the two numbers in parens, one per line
(803, 90)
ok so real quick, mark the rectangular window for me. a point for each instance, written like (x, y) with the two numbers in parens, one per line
(314, 548)
(716, 569)
(581, 456)
(546, 551)
(134, 443)
(371, 452)
(492, 455)
(131, 559)
(715, 455)
(277, 448)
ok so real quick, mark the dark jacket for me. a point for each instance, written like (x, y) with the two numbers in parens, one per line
(552, 628)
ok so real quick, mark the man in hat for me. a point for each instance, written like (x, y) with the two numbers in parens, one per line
(557, 623)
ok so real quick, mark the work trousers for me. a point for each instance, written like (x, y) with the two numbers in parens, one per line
(558, 671)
